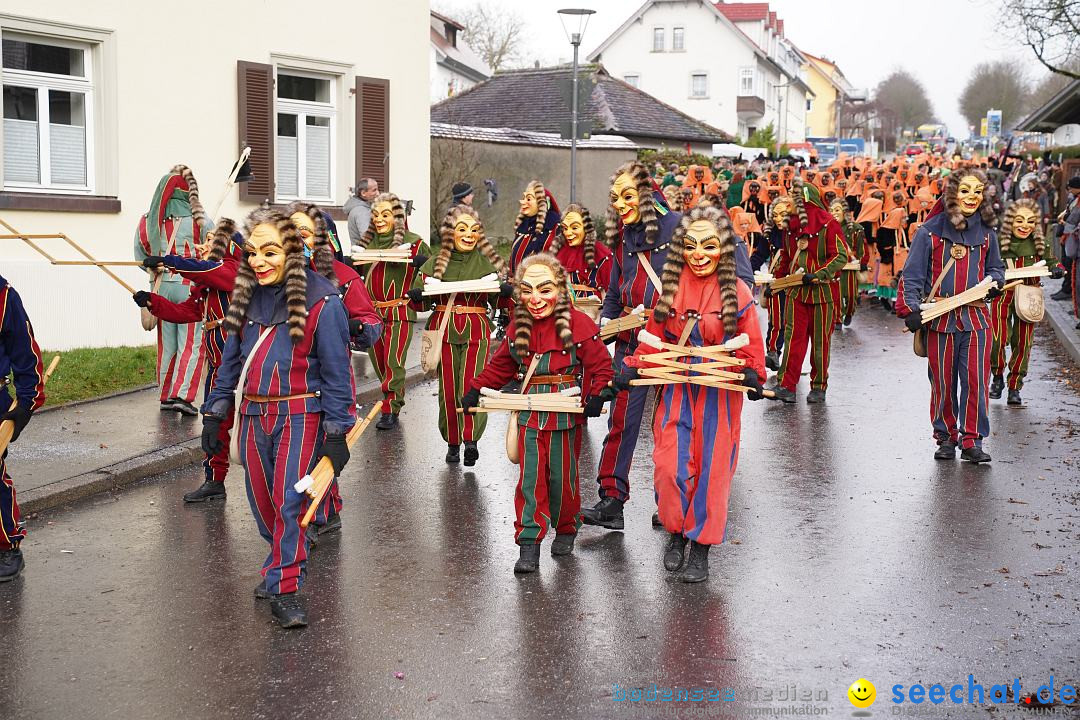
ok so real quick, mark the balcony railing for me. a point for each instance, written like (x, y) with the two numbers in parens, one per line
(749, 106)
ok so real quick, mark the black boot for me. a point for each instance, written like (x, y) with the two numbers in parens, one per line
(815, 396)
(209, 490)
(289, 610)
(974, 455)
(606, 513)
(946, 451)
(388, 421)
(847, 321)
(11, 564)
(471, 454)
(697, 565)
(261, 593)
(783, 394)
(673, 553)
(996, 386)
(528, 559)
(772, 361)
(1014, 398)
(453, 454)
(1065, 293)
(563, 544)
(656, 520)
(184, 407)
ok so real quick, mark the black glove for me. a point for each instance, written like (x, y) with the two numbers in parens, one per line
(416, 295)
(1057, 272)
(356, 327)
(153, 261)
(418, 261)
(808, 278)
(622, 380)
(864, 267)
(470, 400)
(19, 416)
(506, 290)
(914, 321)
(767, 292)
(335, 448)
(752, 381)
(994, 293)
(211, 428)
(593, 405)
(142, 298)
(504, 319)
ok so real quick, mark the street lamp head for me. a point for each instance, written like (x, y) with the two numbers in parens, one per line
(574, 22)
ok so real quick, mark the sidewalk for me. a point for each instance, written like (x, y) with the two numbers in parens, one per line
(1064, 324)
(70, 452)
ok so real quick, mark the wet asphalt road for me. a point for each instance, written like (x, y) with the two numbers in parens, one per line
(851, 553)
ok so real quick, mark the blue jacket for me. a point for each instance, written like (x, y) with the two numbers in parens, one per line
(19, 352)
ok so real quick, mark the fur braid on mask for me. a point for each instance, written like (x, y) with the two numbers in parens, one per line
(952, 202)
(446, 239)
(639, 175)
(221, 237)
(1009, 217)
(295, 276)
(799, 200)
(588, 244)
(537, 189)
(323, 252)
(198, 214)
(523, 320)
(726, 278)
(396, 207)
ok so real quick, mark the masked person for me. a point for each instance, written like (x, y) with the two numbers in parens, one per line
(697, 428)
(953, 251)
(20, 358)
(1022, 245)
(586, 260)
(857, 249)
(464, 254)
(174, 225)
(813, 245)
(554, 348)
(212, 275)
(638, 229)
(388, 284)
(535, 226)
(288, 353)
(780, 209)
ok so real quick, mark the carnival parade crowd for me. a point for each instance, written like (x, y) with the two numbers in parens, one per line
(649, 314)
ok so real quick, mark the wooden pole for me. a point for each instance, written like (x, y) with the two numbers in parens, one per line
(7, 428)
(322, 476)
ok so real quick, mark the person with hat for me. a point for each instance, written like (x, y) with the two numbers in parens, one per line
(462, 193)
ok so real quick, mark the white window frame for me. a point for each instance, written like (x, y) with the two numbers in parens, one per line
(635, 83)
(678, 32)
(302, 109)
(663, 39)
(702, 74)
(42, 83)
(744, 73)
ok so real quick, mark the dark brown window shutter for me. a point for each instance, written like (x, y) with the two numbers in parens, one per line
(255, 88)
(373, 130)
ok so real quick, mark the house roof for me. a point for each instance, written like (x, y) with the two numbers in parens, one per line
(535, 100)
(1062, 109)
(449, 21)
(511, 136)
(460, 59)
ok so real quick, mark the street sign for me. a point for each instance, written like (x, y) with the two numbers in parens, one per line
(993, 122)
(982, 128)
(582, 130)
(586, 83)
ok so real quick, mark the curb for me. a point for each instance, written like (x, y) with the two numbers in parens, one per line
(84, 401)
(163, 460)
(1064, 326)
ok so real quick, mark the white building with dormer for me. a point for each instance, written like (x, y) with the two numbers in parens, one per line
(726, 64)
(453, 66)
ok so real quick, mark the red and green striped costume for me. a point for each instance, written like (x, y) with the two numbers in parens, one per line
(1008, 328)
(855, 241)
(549, 444)
(387, 284)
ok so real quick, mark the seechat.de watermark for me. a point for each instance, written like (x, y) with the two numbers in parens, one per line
(972, 692)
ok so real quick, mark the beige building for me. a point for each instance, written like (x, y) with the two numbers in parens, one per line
(830, 89)
(102, 98)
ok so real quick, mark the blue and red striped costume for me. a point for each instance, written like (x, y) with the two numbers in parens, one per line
(597, 280)
(770, 252)
(20, 357)
(957, 343)
(207, 304)
(280, 439)
(697, 428)
(630, 287)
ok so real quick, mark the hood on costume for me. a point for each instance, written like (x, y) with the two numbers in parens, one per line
(649, 202)
(588, 245)
(322, 255)
(523, 321)
(398, 208)
(1006, 234)
(437, 265)
(547, 210)
(176, 196)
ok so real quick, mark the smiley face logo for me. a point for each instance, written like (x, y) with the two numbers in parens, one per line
(862, 693)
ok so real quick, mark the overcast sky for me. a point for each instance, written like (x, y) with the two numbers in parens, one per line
(938, 41)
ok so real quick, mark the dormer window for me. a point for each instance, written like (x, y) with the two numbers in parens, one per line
(451, 34)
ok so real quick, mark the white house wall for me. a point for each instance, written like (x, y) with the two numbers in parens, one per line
(175, 81)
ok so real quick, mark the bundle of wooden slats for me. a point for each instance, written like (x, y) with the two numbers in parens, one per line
(495, 401)
(712, 365)
(394, 255)
(788, 281)
(486, 284)
(1037, 270)
(631, 321)
(941, 306)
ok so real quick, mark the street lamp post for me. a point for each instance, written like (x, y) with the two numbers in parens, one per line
(568, 16)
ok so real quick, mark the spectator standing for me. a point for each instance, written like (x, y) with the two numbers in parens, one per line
(358, 208)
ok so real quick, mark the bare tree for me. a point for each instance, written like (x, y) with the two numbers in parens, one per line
(1051, 28)
(904, 98)
(453, 160)
(1050, 86)
(495, 33)
(1000, 85)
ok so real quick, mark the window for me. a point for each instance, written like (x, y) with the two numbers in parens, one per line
(678, 39)
(305, 136)
(633, 80)
(746, 81)
(699, 85)
(48, 97)
(658, 39)
(808, 104)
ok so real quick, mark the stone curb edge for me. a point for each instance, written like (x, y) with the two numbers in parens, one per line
(1064, 327)
(155, 462)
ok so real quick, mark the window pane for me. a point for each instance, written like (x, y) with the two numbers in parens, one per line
(287, 169)
(677, 38)
(697, 85)
(658, 39)
(631, 80)
(286, 125)
(22, 55)
(317, 157)
(295, 87)
(21, 159)
(67, 137)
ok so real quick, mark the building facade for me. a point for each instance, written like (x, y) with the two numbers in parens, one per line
(831, 89)
(726, 64)
(453, 66)
(101, 99)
